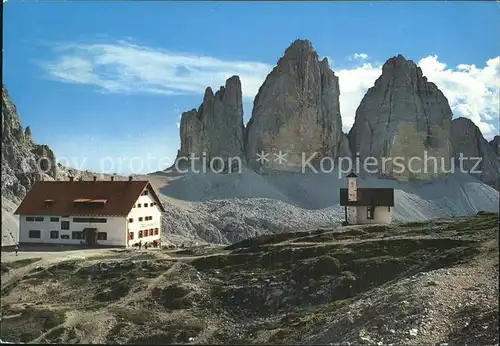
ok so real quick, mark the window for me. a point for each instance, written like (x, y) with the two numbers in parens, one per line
(102, 236)
(54, 219)
(130, 235)
(370, 211)
(144, 193)
(30, 219)
(35, 234)
(140, 234)
(145, 204)
(139, 205)
(64, 224)
(140, 219)
(64, 236)
(76, 235)
(151, 232)
(89, 220)
(388, 208)
(156, 231)
(39, 219)
(54, 234)
(148, 218)
(131, 220)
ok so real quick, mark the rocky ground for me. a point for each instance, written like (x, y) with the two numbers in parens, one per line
(424, 283)
(227, 208)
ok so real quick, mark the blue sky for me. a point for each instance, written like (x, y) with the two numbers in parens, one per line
(110, 79)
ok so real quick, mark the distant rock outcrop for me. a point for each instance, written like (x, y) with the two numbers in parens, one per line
(467, 140)
(216, 128)
(23, 161)
(403, 115)
(296, 111)
(495, 144)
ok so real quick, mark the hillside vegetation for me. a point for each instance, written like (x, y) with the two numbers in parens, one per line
(419, 283)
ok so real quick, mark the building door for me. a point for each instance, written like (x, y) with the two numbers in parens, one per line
(90, 235)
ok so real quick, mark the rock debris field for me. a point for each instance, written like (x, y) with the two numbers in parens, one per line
(226, 208)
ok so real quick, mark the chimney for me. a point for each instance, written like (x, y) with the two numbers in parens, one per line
(71, 178)
(95, 178)
(112, 178)
(130, 178)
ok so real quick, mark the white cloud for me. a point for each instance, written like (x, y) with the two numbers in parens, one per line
(472, 92)
(359, 56)
(123, 67)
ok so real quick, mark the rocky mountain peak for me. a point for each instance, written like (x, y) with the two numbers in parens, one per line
(209, 94)
(403, 115)
(27, 133)
(216, 128)
(400, 69)
(296, 110)
(299, 48)
(23, 161)
(297, 57)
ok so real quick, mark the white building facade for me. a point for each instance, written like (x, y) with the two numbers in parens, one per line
(98, 213)
(144, 220)
(110, 231)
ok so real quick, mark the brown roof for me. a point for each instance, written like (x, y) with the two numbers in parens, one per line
(111, 198)
(369, 197)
